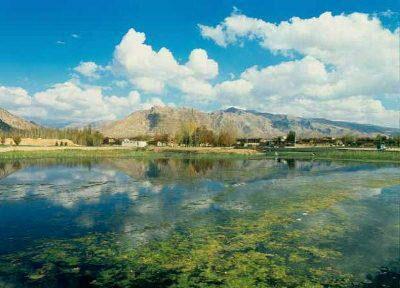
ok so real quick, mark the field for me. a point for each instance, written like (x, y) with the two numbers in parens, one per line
(121, 152)
(39, 142)
(342, 154)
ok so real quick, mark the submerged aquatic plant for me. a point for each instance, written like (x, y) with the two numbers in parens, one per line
(293, 234)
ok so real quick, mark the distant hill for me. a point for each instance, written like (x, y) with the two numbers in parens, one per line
(94, 125)
(247, 123)
(10, 121)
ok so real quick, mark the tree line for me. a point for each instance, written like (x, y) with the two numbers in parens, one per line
(192, 134)
(355, 141)
(86, 136)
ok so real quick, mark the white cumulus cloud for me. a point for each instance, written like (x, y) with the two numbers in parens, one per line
(72, 101)
(202, 66)
(89, 69)
(334, 66)
(331, 60)
(154, 71)
(13, 97)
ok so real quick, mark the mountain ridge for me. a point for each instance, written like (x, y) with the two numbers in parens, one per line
(10, 121)
(248, 123)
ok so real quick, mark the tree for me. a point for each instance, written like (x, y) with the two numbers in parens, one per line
(17, 139)
(348, 139)
(86, 136)
(205, 136)
(291, 137)
(379, 141)
(186, 135)
(278, 141)
(396, 139)
(227, 136)
(3, 139)
(163, 138)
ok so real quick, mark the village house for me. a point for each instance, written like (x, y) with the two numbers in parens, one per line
(161, 144)
(249, 142)
(133, 143)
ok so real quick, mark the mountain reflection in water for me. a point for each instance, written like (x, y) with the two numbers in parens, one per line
(195, 221)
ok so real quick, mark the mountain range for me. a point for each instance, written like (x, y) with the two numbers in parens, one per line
(247, 123)
(10, 121)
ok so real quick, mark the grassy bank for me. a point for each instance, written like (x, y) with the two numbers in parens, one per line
(123, 153)
(301, 153)
(336, 154)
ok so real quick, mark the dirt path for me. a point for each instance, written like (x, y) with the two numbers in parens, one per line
(207, 150)
(54, 148)
(200, 150)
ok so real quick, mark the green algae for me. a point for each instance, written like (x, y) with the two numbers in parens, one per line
(267, 246)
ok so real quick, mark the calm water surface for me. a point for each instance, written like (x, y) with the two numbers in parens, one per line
(198, 223)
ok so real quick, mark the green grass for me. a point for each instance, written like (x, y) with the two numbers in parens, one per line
(330, 153)
(301, 153)
(70, 153)
(118, 153)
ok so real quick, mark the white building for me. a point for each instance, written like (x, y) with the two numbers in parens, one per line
(134, 143)
(161, 144)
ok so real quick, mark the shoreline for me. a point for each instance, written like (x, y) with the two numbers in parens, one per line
(119, 149)
(31, 152)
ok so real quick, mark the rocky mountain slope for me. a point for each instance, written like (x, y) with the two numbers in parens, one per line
(169, 120)
(10, 121)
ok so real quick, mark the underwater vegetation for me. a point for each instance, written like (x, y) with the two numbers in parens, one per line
(328, 230)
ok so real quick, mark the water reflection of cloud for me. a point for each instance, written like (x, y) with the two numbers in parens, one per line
(85, 221)
(146, 207)
(68, 187)
(72, 186)
(28, 176)
(370, 192)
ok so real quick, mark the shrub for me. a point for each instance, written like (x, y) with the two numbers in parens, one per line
(17, 140)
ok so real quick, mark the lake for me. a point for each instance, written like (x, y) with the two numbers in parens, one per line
(199, 222)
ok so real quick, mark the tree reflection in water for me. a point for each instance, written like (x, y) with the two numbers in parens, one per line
(198, 222)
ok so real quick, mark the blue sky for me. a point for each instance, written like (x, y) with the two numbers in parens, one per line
(43, 41)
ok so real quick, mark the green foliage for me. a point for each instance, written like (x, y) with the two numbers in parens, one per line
(353, 141)
(227, 136)
(205, 136)
(17, 140)
(164, 138)
(3, 139)
(85, 137)
(380, 141)
(396, 140)
(94, 139)
(192, 135)
(348, 139)
(291, 137)
(187, 134)
(338, 154)
(226, 139)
